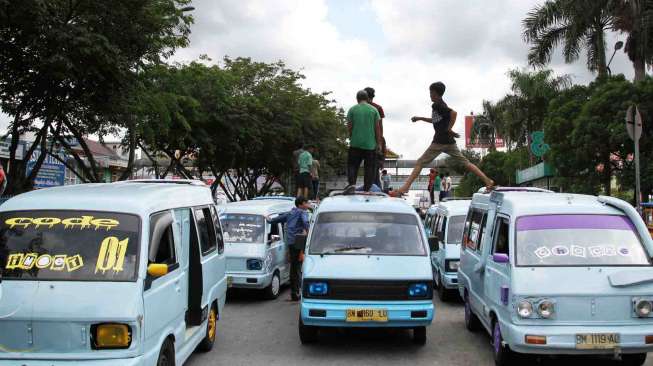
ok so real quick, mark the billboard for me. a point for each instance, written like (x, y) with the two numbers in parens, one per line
(51, 174)
(478, 135)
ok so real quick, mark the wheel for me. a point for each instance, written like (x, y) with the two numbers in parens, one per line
(471, 320)
(272, 291)
(443, 293)
(211, 330)
(307, 333)
(167, 354)
(503, 356)
(419, 336)
(633, 359)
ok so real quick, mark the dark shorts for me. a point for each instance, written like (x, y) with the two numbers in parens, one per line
(304, 180)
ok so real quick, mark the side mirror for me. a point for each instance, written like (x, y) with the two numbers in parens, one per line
(273, 238)
(157, 270)
(434, 243)
(300, 241)
(500, 258)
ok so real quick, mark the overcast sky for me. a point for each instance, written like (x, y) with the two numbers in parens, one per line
(398, 47)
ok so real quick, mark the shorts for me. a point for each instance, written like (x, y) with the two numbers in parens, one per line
(304, 180)
(436, 149)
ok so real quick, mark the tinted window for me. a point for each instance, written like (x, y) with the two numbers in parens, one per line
(243, 228)
(218, 230)
(455, 229)
(476, 227)
(68, 245)
(367, 233)
(205, 229)
(578, 240)
(501, 237)
(162, 241)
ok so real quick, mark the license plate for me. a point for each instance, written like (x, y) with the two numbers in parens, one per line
(597, 341)
(367, 315)
(230, 281)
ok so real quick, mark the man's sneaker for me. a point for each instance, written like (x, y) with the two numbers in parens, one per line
(294, 297)
(350, 189)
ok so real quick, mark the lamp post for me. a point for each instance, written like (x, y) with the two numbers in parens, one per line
(617, 47)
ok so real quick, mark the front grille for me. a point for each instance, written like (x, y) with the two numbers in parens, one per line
(367, 290)
(236, 265)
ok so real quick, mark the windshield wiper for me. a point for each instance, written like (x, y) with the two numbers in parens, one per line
(348, 249)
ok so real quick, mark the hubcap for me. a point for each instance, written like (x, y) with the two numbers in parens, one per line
(212, 325)
(275, 285)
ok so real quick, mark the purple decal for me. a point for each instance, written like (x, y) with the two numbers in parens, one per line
(547, 222)
(505, 291)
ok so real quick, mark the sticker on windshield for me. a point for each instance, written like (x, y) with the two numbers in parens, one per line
(578, 251)
(542, 252)
(609, 251)
(27, 261)
(560, 250)
(111, 255)
(84, 222)
(624, 252)
(596, 251)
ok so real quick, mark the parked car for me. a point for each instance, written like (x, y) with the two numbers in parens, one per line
(110, 274)
(447, 228)
(257, 253)
(550, 273)
(366, 265)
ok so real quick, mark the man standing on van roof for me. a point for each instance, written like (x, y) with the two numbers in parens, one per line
(364, 124)
(442, 118)
(304, 182)
(380, 155)
(297, 223)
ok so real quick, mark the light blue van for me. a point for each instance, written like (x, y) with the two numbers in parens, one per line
(447, 228)
(110, 274)
(257, 252)
(551, 273)
(367, 265)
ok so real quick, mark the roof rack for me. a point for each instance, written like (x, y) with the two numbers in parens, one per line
(190, 182)
(484, 190)
(273, 198)
(342, 193)
(449, 199)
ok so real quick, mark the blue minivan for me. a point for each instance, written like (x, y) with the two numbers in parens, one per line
(367, 264)
(551, 273)
(110, 274)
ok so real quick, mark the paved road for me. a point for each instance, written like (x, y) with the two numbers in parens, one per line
(258, 332)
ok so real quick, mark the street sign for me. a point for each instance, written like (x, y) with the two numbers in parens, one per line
(634, 123)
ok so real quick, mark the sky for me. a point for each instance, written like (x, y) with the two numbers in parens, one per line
(398, 47)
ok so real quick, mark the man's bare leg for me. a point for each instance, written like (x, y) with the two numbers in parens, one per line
(413, 175)
(489, 183)
(299, 192)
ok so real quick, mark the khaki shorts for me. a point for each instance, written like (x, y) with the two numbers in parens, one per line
(436, 149)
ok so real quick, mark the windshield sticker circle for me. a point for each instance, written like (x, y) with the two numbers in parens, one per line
(27, 261)
(609, 251)
(542, 252)
(623, 251)
(560, 250)
(596, 251)
(578, 251)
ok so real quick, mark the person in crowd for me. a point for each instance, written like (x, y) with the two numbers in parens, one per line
(380, 156)
(315, 176)
(437, 187)
(442, 185)
(448, 184)
(304, 163)
(363, 123)
(431, 186)
(297, 223)
(385, 177)
(295, 164)
(443, 119)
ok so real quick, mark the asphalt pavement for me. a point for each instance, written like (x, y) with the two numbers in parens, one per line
(253, 331)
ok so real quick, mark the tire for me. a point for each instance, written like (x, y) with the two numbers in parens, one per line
(443, 293)
(633, 359)
(307, 334)
(503, 356)
(419, 336)
(211, 330)
(166, 354)
(471, 320)
(272, 291)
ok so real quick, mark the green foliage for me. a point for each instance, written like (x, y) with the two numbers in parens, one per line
(500, 166)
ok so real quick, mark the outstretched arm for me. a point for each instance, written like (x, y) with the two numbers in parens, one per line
(425, 119)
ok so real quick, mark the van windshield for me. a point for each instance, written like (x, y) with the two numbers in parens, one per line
(68, 245)
(366, 233)
(578, 240)
(243, 228)
(455, 229)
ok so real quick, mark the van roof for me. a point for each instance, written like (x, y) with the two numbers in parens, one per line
(141, 199)
(365, 203)
(258, 207)
(454, 208)
(535, 203)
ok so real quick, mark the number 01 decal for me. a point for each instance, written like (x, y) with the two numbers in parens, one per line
(111, 255)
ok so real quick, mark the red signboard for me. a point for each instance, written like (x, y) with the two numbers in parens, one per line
(479, 135)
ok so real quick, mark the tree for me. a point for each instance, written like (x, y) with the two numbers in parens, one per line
(490, 123)
(573, 24)
(66, 67)
(635, 17)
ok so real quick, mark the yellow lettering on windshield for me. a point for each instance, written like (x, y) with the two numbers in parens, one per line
(27, 261)
(44, 261)
(18, 221)
(84, 222)
(107, 224)
(14, 261)
(111, 255)
(46, 221)
(58, 263)
(74, 263)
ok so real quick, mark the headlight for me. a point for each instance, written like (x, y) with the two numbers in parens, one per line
(452, 265)
(545, 308)
(643, 308)
(418, 290)
(525, 309)
(254, 265)
(318, 288)
(111, 336)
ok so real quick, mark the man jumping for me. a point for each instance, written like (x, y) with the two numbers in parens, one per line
(443, 118)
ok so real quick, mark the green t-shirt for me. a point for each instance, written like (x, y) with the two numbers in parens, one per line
(305, 162)
(363, 118)
(436, 184)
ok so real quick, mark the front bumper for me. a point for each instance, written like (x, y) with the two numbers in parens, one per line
(134, 361)
(562, 339)
(450, 280)
(399, 313)
(253, 280)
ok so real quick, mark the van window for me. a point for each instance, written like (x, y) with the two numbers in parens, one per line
(475, 234)
(501, 237)
(68, 245)
(443, 227)
(205, 230)
(455, 229)
(218, 230)
(243, 228)
(162, 241)
(435, 223)
(578, 240)
(367, 233)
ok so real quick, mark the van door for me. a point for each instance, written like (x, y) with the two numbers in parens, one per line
(212, 263)
(163, 300)
(473, 241)
(497, 275)
(278, 252)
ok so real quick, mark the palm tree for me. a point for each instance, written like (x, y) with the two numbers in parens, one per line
(635, 17)
(573, 24)
(489, 124)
